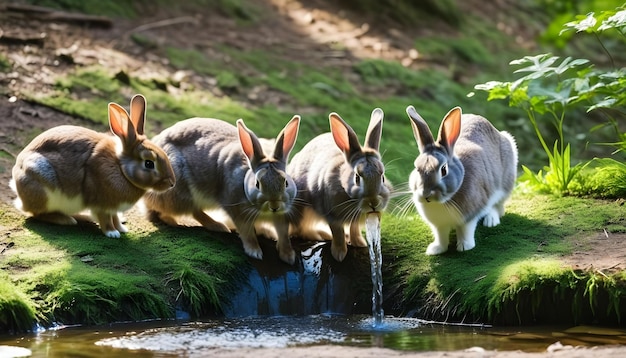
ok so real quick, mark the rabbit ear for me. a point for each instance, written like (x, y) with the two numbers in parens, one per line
(422, 134)
(344, 135)
(450, 129)
(121, 124)
(286, 139)
(375, 129)
(249, 143)
(138, 112)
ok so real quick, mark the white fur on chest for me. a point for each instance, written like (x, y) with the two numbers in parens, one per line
(438, 214)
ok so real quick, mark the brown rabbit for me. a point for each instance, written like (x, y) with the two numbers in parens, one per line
(68, 169)
(339, 182)
(220, 166)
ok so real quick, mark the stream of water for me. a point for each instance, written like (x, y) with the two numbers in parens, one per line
(372, 230)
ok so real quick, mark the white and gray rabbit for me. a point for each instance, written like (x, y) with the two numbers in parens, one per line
(221, 166)
(68, 169)
(464, 176)
(339, 182)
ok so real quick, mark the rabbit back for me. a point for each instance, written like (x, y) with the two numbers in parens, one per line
(208, 163)
(53, 171)
(489, 159)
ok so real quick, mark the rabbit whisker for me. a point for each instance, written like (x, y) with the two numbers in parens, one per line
(250, 214)
(345, 208)
(403, 206)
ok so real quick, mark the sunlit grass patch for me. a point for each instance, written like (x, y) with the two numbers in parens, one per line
(514, 274)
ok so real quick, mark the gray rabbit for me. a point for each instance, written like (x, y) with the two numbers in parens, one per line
(339, 182)
(220, 166)
(465, 176)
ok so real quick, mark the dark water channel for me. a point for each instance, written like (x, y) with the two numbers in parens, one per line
(317, 301)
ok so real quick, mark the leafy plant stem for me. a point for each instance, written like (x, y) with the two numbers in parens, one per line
(605, 49)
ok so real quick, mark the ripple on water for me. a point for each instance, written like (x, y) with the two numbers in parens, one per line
(266, 332)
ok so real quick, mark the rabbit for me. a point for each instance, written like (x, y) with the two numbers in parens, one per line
(339, 182)
(465, 176)
(68, 169)
(220, 166)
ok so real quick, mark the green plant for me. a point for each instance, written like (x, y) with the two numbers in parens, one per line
(544, 90)
(552, 86)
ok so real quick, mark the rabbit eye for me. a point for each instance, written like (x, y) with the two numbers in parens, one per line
(286, 184)
(357, 179)
(148, 164)
(444, 169)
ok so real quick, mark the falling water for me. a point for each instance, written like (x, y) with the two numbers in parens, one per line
(372, 227)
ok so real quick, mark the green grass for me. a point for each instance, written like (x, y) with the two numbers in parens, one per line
(76, 275)
(514, 272)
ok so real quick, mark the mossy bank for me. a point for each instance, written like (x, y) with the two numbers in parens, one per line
(516, 274)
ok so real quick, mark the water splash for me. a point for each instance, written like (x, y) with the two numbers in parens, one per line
(372, 227)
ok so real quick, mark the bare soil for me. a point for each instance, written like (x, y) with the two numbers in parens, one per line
(319, 33)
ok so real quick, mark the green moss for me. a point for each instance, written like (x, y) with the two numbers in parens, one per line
(193, 60)
(95, 88)
(467, 49)
(514, 275)
(17, 311)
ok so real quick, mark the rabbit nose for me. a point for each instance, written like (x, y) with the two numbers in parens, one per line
(374, 203)
(427, 194)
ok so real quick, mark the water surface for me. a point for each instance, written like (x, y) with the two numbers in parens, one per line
(195, 339)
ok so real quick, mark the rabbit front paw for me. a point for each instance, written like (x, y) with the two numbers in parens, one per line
(358, 241)
(287, 255)
(465, 245)
(253, 251)
(114, 234)
(492, 218)
(435, 249)
(339, 251)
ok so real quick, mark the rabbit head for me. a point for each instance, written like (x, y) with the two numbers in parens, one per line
(267, 184)
(143, 163)
(438, 173)
(363, 178)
